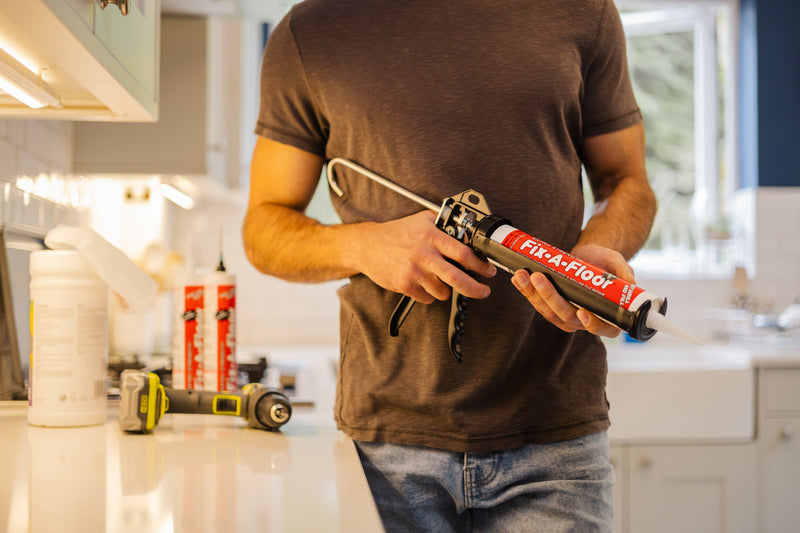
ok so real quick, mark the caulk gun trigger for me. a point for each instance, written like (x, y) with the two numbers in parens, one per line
(399, 315)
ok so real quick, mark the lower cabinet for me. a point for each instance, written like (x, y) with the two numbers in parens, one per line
(618, 457)
(691, 489)
(779, 449)
(749, 487)
(780, 494)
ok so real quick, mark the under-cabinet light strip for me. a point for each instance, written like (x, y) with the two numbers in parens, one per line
(24, 85)
(176, 196)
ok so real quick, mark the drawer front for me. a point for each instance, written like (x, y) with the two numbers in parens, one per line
(781, 391)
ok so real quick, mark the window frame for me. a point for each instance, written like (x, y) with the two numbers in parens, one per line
(711, 201)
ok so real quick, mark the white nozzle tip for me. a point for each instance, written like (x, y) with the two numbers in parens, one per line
(659, 322)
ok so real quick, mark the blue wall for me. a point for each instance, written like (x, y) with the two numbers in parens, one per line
(770, 93)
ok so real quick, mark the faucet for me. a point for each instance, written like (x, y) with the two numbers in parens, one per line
(790, 317)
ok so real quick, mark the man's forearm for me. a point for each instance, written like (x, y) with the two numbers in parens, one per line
(287, 244)
(622, 221)
(625, 205)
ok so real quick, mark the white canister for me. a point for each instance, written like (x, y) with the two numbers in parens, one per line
(69, 348)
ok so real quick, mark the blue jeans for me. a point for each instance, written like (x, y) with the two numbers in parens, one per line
(548, 488)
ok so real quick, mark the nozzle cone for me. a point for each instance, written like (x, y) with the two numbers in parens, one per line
(659, 322)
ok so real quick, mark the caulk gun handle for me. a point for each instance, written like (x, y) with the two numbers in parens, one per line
(455, 327)
(399, 315)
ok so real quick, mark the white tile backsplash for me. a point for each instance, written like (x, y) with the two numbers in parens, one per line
(777, 257)
(32, 147)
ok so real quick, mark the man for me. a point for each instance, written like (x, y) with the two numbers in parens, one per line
(509, 99)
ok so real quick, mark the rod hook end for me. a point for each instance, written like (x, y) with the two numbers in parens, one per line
(331, 180)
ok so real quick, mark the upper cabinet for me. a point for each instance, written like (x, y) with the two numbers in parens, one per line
(209, 104)
(177, 143)
(99, 58)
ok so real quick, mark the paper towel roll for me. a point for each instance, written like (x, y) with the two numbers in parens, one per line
(109, 262)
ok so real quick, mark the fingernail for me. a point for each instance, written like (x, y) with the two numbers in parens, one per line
(537, 280)
(522, 279)
(583, 316)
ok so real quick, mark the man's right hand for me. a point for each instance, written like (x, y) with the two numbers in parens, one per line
(413, 257)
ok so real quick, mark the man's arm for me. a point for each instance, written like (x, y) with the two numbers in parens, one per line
(625, 207)
(406, 255)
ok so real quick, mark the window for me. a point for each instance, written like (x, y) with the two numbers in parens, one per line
(682, 57)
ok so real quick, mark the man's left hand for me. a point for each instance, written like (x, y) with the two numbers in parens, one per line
(544, 297)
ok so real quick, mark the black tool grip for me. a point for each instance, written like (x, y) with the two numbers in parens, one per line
(205, 402)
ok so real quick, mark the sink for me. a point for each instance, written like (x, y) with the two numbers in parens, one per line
(680, 392)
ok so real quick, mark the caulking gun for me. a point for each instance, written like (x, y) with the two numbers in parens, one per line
(467, 217)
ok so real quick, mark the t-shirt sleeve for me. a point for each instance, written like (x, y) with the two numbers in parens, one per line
(288, 111)
(608, 100)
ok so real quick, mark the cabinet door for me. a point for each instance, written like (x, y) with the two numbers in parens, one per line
(781, 469)
(692, 489)
(176, 144)
(133, 39)
(85, 10)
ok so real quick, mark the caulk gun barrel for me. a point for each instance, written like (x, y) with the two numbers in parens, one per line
(516, 250)
(570, 290)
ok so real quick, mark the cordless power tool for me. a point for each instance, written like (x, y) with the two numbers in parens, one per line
(144, 400)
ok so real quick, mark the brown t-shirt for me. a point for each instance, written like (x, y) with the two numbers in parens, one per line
(441, 97)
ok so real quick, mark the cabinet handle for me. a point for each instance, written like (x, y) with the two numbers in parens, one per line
(645, 461)
(121, 4)
(787, 432)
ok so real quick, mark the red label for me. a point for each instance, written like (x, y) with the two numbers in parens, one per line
(589, 276)
(192, 336)
(227, 370)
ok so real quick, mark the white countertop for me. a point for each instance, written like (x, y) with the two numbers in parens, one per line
(673, 355)
(207, 473)
(193, 473)
(775, 357)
